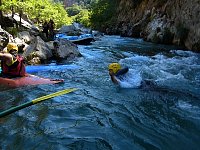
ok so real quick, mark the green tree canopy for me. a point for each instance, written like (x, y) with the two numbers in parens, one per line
(79, 14)
(103, 13)
(39, 10)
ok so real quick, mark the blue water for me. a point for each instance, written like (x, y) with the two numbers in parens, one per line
(103, 116)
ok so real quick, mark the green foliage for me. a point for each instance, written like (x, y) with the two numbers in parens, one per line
(39, 10)
(83, 18)
(74, 10)
(98, 13)
(103, 13)
(78, 14)
(61, 18)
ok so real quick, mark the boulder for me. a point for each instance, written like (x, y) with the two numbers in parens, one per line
(25, 36)
(21, 44)
(66, 29)
(37, 49)
(63, 48)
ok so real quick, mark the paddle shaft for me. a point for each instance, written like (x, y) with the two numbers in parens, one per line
(14, 109)
(35, 101)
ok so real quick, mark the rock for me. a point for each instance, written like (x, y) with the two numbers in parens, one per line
(24, 23)
(21, 44)
(10, 37)
(37, 48)
(66, 29)
(50, 44)
(65, 49)
(25, 36)
(4, 39)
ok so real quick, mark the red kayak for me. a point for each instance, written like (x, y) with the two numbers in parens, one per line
(27, 80)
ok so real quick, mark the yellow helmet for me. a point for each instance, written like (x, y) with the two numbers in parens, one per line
(114, 67)
(12, 46)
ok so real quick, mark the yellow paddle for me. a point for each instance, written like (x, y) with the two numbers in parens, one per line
(35, 101)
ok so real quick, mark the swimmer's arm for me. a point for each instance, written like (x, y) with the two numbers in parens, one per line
(113, 78)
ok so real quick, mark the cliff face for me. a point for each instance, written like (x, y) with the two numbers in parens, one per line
(188, 13)
(160, 21)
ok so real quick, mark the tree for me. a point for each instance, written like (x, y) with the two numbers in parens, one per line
(39, 10)
(103, 13)
(1, 15)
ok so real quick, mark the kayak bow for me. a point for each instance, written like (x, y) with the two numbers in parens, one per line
(27, 80)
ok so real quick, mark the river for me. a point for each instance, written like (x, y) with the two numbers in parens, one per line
(103, 116)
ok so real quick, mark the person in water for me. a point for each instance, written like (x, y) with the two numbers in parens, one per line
(12, 64)
(117, 73)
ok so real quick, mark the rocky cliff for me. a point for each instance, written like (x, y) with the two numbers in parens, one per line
(160, 21)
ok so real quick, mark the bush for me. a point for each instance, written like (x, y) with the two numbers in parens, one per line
(73, 11)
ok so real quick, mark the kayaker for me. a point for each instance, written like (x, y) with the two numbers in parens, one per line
(12, 64)
(117, 74)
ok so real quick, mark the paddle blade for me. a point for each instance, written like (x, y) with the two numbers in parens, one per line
(37, 100)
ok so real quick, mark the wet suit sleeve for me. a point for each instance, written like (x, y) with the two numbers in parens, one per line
(122, 71)
(114, 80)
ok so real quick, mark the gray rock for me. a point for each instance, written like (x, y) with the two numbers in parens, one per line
(65, 49)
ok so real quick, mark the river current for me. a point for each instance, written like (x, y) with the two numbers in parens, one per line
(103, 116)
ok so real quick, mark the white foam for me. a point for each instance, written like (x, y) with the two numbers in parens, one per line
(131, 80)
(184, 53)
(177, 71)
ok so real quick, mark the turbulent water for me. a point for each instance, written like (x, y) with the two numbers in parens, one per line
(103, 116)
